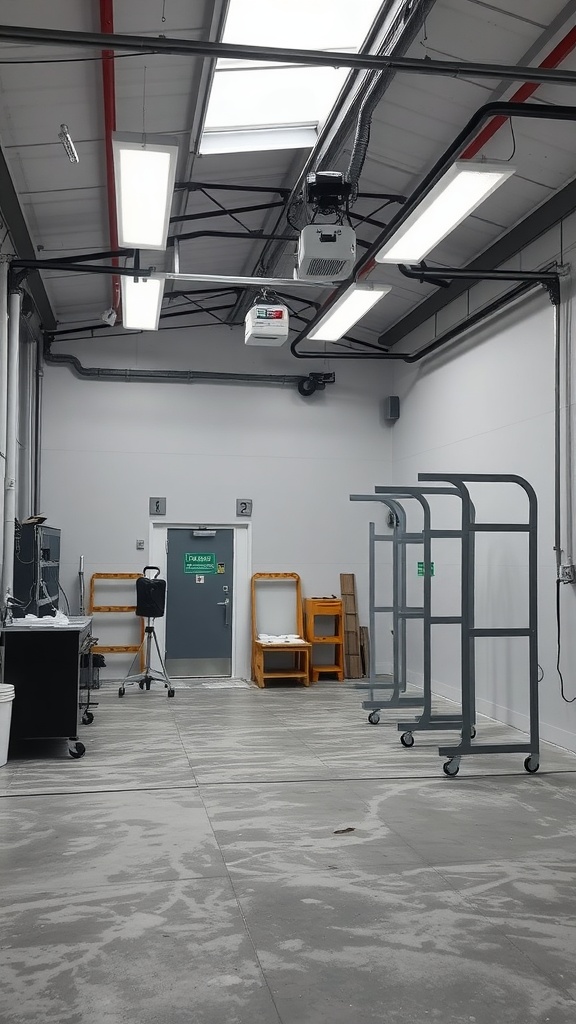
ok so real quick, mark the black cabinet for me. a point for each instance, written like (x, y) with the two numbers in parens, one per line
(43, 665)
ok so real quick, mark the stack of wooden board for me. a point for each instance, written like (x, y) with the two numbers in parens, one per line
(352, 657)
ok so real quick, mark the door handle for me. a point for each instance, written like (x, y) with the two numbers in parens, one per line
(226, 605)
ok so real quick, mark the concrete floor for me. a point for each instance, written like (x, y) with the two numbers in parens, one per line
(188, 870)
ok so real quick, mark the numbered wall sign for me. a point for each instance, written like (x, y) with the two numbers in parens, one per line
(157, 506)
(243, 506)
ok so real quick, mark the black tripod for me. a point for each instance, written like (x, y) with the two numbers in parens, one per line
(150, 601)
(149, 675)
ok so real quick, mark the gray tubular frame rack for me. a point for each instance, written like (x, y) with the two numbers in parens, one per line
(400, 539)
(470, 632)
(390, 496)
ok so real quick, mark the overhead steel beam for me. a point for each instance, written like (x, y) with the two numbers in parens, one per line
(196, 186)
(14, 221)
(233, 211)
(283, 55)
(560, 205)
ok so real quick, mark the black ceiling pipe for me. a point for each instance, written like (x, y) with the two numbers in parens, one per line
(432, 274)
(483, 114)
(251, 235)
(175, 376)
(140, 44)
(109, 254)
(79, 268)
(474, 320)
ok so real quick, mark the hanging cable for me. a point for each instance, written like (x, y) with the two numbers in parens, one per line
(511, 157)
(63, 592)
(567, 700)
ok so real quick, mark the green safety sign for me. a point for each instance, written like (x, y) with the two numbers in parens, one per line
(199, 562)
(421, 569)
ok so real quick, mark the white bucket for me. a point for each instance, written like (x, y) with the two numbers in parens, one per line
(6, 698)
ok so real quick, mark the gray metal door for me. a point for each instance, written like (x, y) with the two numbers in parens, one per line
(199, 602)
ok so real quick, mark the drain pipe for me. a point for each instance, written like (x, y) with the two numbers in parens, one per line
(557, 440)
(14, 307)
(36, 481)
(4, 267)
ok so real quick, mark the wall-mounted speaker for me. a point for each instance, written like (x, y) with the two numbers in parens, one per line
(392, 408)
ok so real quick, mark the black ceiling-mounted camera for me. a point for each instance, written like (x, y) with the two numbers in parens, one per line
(327, 191)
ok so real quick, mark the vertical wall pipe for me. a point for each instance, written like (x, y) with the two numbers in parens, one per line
(14, 307)
(4, 267)
(37, 458)
(557, 438)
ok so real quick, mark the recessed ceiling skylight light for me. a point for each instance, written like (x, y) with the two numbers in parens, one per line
(253, 95)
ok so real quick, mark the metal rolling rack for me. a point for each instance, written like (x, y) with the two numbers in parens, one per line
(470, 632)
(400, 539)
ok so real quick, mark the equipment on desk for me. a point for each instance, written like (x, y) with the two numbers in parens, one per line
(37, 568)
(150, 605)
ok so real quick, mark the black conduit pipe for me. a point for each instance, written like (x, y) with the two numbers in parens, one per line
(141, 44)
(469, 132)
(170, 376)
(474, 320)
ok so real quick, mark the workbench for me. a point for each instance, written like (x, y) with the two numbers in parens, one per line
(42, 661)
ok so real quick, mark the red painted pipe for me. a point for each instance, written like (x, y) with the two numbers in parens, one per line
(566, 45)
(109, 95)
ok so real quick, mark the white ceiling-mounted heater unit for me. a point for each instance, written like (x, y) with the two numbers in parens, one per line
(326, 250)
(266, 323)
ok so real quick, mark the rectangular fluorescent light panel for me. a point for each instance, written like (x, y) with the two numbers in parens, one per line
(141, 303)
(347, 311)
(458, 193)
(144, 175)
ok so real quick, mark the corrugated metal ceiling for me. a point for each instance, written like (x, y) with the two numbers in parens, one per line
(65, 204)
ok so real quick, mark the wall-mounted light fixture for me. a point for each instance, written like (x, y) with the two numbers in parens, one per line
(463, 187)
(144, 174)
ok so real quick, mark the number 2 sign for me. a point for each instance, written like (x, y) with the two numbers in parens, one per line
(243, 506)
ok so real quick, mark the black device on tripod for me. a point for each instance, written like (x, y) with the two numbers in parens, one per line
(150, 605)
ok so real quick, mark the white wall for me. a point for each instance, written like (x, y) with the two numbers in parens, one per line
(486, 406)
(108, 447)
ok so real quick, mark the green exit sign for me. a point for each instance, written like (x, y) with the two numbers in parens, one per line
(421, 569)
(200, 562)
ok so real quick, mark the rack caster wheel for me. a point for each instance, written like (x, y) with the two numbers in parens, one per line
(121, 691)
(374, 717)
(141, 684)
(87, 718)
(407, 739)
(171, 692)
(148, 681)
(530, 765)
(78, 750)
(450, 768)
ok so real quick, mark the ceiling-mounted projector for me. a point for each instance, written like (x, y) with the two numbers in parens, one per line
(266, 323)
(326, 250)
